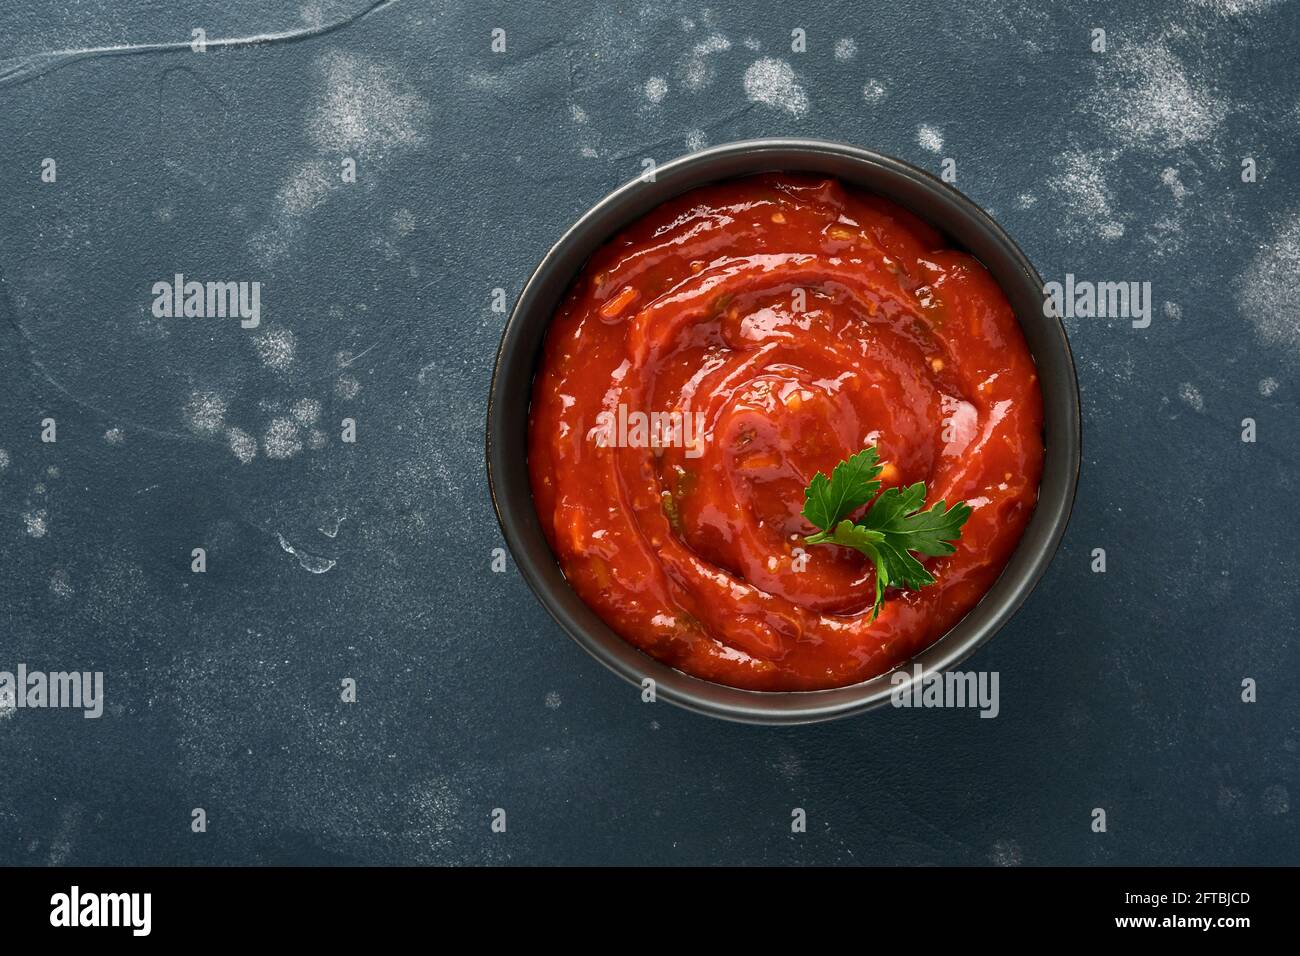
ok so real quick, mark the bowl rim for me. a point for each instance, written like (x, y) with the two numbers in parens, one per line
(543, 291)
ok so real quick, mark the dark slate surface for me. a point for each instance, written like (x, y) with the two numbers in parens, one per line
(1119, 690)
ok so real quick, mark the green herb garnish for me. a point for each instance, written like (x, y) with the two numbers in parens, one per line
(891, 530)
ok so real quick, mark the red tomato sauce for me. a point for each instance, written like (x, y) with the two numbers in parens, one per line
(798, 321)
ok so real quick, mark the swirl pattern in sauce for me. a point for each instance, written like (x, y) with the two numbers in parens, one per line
(797, 321)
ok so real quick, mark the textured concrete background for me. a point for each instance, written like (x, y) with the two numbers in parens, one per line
(326, 560)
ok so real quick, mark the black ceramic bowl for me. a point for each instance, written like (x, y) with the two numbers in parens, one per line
(967, 227)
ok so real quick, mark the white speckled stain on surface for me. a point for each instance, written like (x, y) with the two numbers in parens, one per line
(1268, 288)
(205, 412)
(1082, 183)
(929, 138)
(282, 439)
(364, 111)
(655, 89)
(276, 348)
(774, 83)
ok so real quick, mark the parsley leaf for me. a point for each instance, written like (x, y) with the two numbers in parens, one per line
(851, 485)
(898, 514)
(892, 529)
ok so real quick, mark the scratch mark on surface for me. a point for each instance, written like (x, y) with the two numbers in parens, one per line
(18, 70)
(310, 562)
(8, 311)
(664, 143)
(332, 530)
(355, 358)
